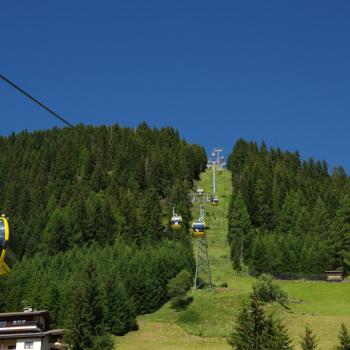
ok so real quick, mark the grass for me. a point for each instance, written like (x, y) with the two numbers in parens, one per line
(209, 318)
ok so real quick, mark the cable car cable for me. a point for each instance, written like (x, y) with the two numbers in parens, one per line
(36, 101)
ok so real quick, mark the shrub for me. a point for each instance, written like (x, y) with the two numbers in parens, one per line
(266, 291)
(178, 287)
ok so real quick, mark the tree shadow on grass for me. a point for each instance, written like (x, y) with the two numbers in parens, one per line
(181, 304)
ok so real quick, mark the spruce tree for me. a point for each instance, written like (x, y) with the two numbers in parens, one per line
(344, 338)
(254, 329)
(341, 235)
(308, 340)
(260, 260)
(119, 311)
(79, 318)
(321, 220)
(239, 232)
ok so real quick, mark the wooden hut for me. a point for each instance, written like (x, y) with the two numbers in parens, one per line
(334, 276)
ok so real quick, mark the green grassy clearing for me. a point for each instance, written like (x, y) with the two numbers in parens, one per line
(208, 319)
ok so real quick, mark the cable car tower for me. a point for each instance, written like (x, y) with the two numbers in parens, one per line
(218, 159)
(217, 162)
(203, 274)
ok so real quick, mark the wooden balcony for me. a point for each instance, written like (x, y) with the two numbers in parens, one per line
(19, 326)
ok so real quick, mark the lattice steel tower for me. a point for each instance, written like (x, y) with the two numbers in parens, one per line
(203, 274)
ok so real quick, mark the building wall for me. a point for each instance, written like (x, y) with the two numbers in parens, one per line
(36, 344)
(4, 344)
(45, 344)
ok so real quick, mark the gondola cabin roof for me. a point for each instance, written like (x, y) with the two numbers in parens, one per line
(198, 224)
(176, 218)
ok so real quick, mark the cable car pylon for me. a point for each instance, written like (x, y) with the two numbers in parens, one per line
(203, 273)
(216, 163)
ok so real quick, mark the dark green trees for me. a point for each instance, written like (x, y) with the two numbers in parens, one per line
(298, 213)
(341, 235)
(90, 207)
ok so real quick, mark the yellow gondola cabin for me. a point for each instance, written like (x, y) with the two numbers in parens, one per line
(7, 256)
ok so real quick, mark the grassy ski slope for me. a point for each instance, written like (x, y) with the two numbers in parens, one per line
(206, 322)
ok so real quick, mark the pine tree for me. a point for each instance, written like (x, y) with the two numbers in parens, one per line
(341, 235)
(239, 232)
(119, 311)
(308, 340)
(56, 235)
(254, 329)
(321, 220)
(263, 203)
(79, 333)
(291, 210)
(344, 338)
(260, 258)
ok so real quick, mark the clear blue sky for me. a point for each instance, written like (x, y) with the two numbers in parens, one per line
(277, 71)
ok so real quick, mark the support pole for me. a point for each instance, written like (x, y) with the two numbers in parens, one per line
(203, 273)
(214, 179)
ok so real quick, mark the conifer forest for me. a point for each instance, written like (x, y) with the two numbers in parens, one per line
(90, 208)
(288, 217)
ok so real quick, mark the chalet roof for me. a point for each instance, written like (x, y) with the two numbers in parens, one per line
(24, 313)
(52, 332)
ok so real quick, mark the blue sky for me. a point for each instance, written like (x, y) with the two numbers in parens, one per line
(217, 70)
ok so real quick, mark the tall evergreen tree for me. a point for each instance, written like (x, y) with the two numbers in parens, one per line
(254, 329)
(341, 235)
(239, 232)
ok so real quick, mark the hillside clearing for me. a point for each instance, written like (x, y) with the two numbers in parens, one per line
(208, 319)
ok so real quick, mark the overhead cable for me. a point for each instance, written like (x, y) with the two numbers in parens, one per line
(8, 81)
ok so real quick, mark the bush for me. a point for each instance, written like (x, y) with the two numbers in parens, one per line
(104, 342)
(178, 287)
(266, 291)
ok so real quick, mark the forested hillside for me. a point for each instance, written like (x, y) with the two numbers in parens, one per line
(287, 217)
(90, 207)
